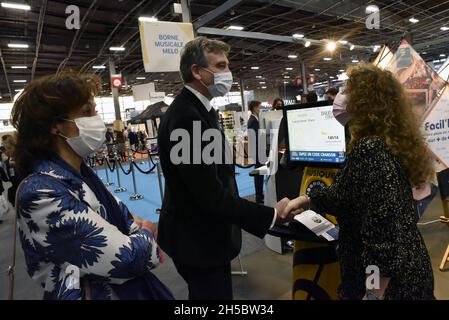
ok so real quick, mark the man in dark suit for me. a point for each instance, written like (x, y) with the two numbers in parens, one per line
(202, 214)
(253, 124)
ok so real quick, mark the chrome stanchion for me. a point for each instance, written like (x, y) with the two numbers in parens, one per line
(95, 165)
(134, 196)
(117, 169)
(241, 272)
(159, 178)
(107, 183)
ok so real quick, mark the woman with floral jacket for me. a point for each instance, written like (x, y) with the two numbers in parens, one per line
(80, 242)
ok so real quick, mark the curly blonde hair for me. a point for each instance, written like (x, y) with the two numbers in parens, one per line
(379, 106)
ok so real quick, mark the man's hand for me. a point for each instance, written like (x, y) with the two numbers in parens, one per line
(280, 207)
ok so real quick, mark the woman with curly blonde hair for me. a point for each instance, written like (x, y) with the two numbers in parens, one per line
(372, 196)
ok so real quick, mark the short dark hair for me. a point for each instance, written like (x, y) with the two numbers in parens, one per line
(332, 90)
(253, 105)
(43, 103)
(194, 53)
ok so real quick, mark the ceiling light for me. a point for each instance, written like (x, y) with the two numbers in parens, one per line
(424, 52)
(264, 87)
(18, 45)
(307, 44)
(259, 77)
(117, 49)
(289, 69)
(352, 47)
(19, 81)
(444, 28)
(19, 67)
(442, 55)
(436, 61)
(355, 61)
(371, 9)
(286, 77)
(170, 94)
(262, 82)
(238, 28)
(331, 46)
(298, 36)
(99, 67)
(140, 78)
(376, 48)
(413, 20)
(341, 70)
(343, 42)
(254, 68)
(18, 90)
(148, 19)
(331, 77)
(292, 56)
(18, 6)
(317, 69)
(327, 59)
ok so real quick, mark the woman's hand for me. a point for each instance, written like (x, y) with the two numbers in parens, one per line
(147, 225)
(298, 205)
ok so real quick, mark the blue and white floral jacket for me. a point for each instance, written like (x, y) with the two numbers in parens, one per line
(63, 229)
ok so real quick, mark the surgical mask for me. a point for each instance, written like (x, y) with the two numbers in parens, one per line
(339, 109)
(91, 135)
(222, 83)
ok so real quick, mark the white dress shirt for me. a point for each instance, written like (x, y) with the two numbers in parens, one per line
(206, 102)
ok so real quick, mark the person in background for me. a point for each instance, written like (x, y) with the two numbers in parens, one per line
(311, 97)
(109, 140)
(133, 139)
(9, 173)
(142, 139)
(372, 196)
(67, 218)
(120, 145)
(253, 124)
(331, 93)
(202, 213)
(278, 104)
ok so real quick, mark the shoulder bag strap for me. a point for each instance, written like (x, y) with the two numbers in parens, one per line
(14, 247)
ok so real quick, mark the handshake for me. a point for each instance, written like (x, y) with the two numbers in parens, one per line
(287, 209)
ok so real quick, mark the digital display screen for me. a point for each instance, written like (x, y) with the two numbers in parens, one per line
(314, 135)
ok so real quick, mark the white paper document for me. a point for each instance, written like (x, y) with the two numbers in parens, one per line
(318, 225)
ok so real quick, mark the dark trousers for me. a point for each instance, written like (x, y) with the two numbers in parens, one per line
(258, 185)
(207, 283)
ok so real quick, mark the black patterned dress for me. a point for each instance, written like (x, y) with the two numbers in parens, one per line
(373, 202)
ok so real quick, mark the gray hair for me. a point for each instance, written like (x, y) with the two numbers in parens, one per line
(194, 53)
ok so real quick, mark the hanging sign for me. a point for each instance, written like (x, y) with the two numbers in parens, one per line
(162, 43)
(116, 80)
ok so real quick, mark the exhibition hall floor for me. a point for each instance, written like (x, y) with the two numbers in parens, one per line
(269, 274)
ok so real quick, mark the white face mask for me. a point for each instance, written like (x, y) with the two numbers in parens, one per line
(91, 135)
(339, 109)
(222, 83)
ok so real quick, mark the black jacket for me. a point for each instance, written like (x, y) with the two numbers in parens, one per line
(253, 124)
(202, 213)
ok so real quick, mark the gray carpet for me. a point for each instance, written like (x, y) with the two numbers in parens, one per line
(269, 274)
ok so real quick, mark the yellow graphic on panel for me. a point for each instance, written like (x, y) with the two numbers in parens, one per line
(316, 271)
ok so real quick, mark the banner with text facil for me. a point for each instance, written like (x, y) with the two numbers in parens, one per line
(435, 129)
